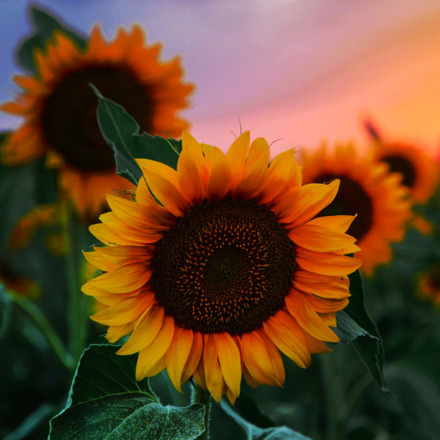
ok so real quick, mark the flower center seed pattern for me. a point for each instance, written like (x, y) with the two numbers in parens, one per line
(226, 266)
(69, 120)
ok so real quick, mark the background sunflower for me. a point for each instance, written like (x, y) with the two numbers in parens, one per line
(367, 191)
(59, 108)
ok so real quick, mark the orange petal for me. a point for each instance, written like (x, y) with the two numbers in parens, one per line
(194, 357)
(230, 361)
(177, 355)
(285, 333)
(213, 372)
(123, 279)
(190, 169)
(326, 263)
(321, 285)
(319, 239)
(284, 174)
(145, 330)
(150, 359)
(236, 157)
(306, 202)
(124, 311)
(220, 173)
(257, 359)
(163, 182)
(307, 318)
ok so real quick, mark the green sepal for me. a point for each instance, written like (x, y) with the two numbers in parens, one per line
(44, 25)
(106, 402)
(121, 132)
(354, 325)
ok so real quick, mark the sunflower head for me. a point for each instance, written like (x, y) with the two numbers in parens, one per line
(418, 171)
(368, 191)
(219, 265)
(59, 108)
(429, 284)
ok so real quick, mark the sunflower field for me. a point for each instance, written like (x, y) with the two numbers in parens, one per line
(160, 280)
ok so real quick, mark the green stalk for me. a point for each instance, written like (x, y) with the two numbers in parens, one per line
(204, 397)
(77, 311)
(43, 324)
(332, 395)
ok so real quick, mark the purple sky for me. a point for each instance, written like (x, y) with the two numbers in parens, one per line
(297, 70)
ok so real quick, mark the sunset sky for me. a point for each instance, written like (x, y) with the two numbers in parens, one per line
(294, 70)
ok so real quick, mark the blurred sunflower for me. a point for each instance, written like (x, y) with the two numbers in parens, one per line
(18, 284)
(222, 267)
(59, 109)
(368, 191)
(419, 171)
(429, 284)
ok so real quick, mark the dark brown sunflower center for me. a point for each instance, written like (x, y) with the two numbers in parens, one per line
(226, 266)
(399, 164)
(69, 120)
(351, 199)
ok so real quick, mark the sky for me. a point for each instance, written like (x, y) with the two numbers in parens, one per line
(292, 71)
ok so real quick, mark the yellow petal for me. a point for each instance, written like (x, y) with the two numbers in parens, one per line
(220, 173)
(146, 329)
(306, 202)
(326, 263)
(212, 370)
(236, 157)
(319, 239)
(177, 355)
(308, 319)
(288, 337)
(230, 361)
(152, 355)
(194, 356)
(123, 279)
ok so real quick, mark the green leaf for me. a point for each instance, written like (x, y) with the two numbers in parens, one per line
(121, 132)
(255, 433)
(44, 25)
(355, 326)
(106, 402)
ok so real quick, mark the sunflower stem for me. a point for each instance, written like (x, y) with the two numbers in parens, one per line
(332, 395)
(204, 397)
(78, 316)
(46, 329)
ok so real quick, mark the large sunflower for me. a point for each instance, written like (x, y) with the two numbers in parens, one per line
(368, 191)
(59, 108)
(419, 171)
(224, 265)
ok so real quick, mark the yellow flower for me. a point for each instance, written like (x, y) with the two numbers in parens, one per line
(59, 109)
(367, 191)
(419, 171)
(223, 267)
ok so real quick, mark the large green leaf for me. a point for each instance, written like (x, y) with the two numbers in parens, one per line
(106, 402)
(255, 433)
(355, 326)
(44, 25)
(121, 132)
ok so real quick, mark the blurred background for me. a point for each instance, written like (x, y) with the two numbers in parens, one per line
(286, 69)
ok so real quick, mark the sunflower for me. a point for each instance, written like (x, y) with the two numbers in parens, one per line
(221, 266)
(368, 191)
(419, 171)
(429, 284)
(59, 109)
